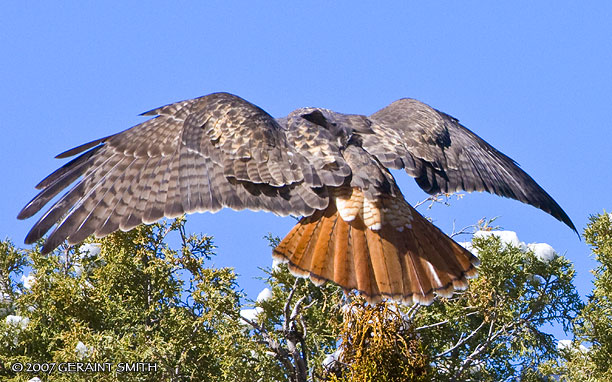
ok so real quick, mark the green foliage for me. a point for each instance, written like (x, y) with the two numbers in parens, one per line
(597, 317)
(594, 324)
(142, 299)
(12, 262)
(137, 301)
(492, 331)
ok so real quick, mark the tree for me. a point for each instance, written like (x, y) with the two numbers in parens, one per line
(149, 296)
(491, 332)
(594, 324)
(137, 300)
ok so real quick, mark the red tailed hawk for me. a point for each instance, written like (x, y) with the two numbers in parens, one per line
(357, 229)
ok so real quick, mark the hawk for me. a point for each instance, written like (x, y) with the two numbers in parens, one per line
(332, 169)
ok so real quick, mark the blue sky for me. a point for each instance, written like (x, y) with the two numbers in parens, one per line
(532, 78)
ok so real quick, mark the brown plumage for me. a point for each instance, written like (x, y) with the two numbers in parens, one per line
(407, 259)
(220, 151)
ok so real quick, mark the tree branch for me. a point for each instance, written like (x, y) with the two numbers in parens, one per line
(431, 326)
(295, 338)
(461, 341)
(281, 353)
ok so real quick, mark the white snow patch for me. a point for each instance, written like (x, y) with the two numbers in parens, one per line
(35, 379)
(568, 344)
(78, 270)
(332, 358)
(506, 237)
(347, 308)
(277, 262)
(543, 251)
(13, 320)
(5, 297)
(536, 279)
(264, 295)
(90, 250)
(564, 344)
(81, 350)
(28, 281)
(583, 348)
(250, 314)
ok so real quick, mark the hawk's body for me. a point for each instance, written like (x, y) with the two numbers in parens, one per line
(221, 151)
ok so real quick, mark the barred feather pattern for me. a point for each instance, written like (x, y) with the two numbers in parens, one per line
(220, 151)
(194, 156)
(383, 248)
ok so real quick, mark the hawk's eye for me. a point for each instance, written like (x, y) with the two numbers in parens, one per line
(317, 118)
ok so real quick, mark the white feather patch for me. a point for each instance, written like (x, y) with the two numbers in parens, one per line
(347, 209)
(375, 227)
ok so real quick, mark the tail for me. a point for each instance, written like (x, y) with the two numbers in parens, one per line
(404, 258)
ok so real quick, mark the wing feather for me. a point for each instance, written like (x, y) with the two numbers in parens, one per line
(444, 156)
(196, 155)
(56, 183)
(93, 216)
(68, 212)
(159, 190)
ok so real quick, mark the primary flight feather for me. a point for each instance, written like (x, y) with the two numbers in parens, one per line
(220, 151)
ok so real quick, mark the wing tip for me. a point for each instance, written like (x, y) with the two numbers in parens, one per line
(23, 214)
(79, 149)
(150, 113)
(570, 224)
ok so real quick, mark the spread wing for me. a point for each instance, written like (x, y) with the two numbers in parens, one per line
(444, 156)
(196, 155)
